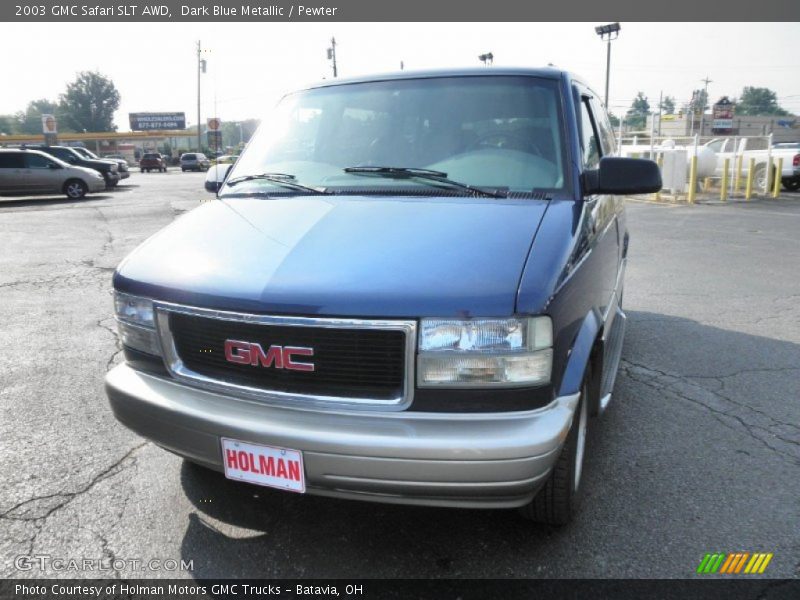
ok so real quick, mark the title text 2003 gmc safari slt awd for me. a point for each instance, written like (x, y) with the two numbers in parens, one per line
(409, 290)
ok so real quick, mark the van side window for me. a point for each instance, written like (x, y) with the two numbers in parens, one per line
(590, 148)
(607, 140)
(11, 160)
(37, 161)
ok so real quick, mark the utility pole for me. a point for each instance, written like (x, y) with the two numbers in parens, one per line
(705, 99)
(199, 70)
(660, 100)
(332, 56)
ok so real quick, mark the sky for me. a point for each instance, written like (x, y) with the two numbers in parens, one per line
(250, 65)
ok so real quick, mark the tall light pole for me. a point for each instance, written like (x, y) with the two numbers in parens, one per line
(332, 56)
(201, 68)
(608, 33)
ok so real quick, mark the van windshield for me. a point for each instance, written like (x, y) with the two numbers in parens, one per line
(490, 132)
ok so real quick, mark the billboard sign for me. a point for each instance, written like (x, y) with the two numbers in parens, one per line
(49, 124)
(723, 115)
(157, 121)
(214, 124)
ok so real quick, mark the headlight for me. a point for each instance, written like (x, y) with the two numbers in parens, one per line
(485, 352)
(136, 323)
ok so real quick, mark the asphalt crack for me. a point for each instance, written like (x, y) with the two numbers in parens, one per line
(39, 508)
(118, 343)
(671, 383)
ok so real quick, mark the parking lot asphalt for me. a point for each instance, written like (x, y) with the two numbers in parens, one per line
(698, 452)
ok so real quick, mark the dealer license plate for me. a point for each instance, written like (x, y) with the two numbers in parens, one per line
(264, 465)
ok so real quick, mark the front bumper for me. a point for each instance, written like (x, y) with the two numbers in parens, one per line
(111, 177)
(96, 184)
(497, 460)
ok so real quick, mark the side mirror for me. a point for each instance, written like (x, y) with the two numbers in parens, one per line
(215, 177)
(623, 176)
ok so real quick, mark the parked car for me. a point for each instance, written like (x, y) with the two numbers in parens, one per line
(225, 159)
(122, 164)
(790, 171)
(30, 172)
(411, 294)
(194, 161)
(215, 176)
(107, 168)
(117, 157)
(153, 161)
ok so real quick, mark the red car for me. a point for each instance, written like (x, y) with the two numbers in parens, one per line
(153, 161)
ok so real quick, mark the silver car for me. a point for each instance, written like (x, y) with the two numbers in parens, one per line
(194, 161)
(30, 172)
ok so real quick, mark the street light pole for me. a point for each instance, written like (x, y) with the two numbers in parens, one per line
(608, 33)
(608, 68)
(199, 67)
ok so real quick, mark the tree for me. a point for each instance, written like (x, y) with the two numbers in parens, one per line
(8, 124)
(613, 119)
(699, 102)
(636, 117)
(668, 105)
(90, 102)
(758, 101)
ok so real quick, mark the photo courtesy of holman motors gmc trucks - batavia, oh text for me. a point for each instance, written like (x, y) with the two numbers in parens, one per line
(409, 289)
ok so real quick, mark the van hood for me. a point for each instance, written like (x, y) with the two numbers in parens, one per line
(341, 256)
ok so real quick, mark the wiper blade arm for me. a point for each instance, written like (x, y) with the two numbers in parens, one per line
(282, 179)
(424, 175)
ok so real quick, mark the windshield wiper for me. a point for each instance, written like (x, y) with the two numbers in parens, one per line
(282, 179)
(426, 175)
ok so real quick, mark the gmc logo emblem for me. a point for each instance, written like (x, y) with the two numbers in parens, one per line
(281, 357)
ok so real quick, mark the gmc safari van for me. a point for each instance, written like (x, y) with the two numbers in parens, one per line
(409, 289)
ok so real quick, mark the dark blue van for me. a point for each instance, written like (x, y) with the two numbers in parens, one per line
(408, 290)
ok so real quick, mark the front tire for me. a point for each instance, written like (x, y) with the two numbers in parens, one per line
(75, 189)
(791, 185)
(557, 502)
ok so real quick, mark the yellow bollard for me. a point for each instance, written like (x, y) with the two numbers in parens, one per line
(767, 187)
(723, 186)
(692, 181)
(748, 188)
(660, 163)
(776, 190)
(706, 184)
(738, 177)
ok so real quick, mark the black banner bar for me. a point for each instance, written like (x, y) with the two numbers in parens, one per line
(734, 588)
(400, 11)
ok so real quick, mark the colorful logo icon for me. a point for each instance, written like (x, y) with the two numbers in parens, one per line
(734, 563)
